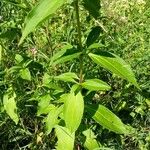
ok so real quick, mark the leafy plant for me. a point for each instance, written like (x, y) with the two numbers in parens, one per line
(73, 103)
(60, 93)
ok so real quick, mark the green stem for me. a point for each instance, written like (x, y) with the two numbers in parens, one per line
(76, 2)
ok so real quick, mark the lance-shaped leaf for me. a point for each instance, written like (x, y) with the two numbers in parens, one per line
(65, 138)
(67, 53)
(106, 118)
(115, 64)
(93, 35)
(10, 107)
(73, 111)
(69, 77)
(40, 12)
(95, 85)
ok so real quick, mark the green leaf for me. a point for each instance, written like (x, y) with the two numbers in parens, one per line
(44, 106)
(67, 53)
(52, 118)
(13, 69)
(65, 138)
(93, 35)
(93, 6)
(10, 107)
(106, 118)
(73, 111)
(48, 82)
(67, 58)
(90, 142)
(95, 85)
(18, 58)
(95, 46)
(69, 77)
(46, 79)
(25, 74)
(39, 13)
(115, 64)
(60, 53)
(54, 86)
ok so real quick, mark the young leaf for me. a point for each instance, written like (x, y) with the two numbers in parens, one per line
(54, 86)
(115, 64)
(73, 111)
(65, 138)
(40, 12)
(18, 58)
(25, 74)
(46, 79)
(52, 118)
(10, 107)
(95, 85)
(106, 118)
(93, 6)
(90, 142)
(69, 77)
(44, 105)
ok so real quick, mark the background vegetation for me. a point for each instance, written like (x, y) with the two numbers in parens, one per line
(124, 30)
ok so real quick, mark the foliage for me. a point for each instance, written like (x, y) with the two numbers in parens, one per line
(65, 74)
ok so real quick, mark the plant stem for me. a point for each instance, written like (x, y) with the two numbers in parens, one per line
(76, 5)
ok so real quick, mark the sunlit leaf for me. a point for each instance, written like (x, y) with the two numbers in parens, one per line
(115, 64)
(67, 58)
(95, 85)
(39, 13)
(69, 77)
(65, 138)
(73, 111)
(18, 58)
(46, 79)
(44, 104)
(52, 118)
(25, 74)
(10, 107)
(60, 53)
(106, 118)
(95, 46)
(90, 142)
